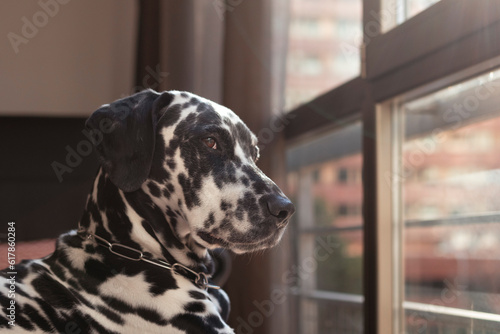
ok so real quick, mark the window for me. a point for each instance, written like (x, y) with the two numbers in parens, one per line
(342, 175)
(329, 232)
(304, 27)
(398, 11)
(427, 170)
(316, 175)
(306, 65)
(343, 210)
(323, 52)
(449, 174)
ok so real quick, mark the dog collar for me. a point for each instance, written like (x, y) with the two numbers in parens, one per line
(200, 279)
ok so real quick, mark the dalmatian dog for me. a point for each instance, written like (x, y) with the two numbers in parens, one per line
(178, 180)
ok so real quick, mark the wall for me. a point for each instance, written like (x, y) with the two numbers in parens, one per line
(59, 61)
(65, 57)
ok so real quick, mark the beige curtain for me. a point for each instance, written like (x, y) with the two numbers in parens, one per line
(232, 52)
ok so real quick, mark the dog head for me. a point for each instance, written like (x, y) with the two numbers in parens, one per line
(197, 161)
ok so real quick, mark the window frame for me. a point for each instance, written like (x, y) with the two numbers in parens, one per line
(390, 113)
(385, 76)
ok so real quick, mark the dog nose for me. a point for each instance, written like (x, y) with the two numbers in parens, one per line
(280, 207)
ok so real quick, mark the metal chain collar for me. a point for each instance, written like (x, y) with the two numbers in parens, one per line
(200, 279)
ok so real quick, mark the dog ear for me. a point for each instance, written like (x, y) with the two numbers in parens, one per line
(124, 134)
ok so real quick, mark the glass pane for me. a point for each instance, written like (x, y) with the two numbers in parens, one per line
(431, 323)
(325, 182)
(323, 48)
(413, 7)
(450, 177)
(339, 261)
(326, 316)
(458, 176)
(330, 169)
(396, 12)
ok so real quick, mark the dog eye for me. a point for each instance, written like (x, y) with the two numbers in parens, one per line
(210, 142)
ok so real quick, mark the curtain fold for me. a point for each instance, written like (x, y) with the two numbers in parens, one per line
(231, 52)
(182, 40)
(148, 42)
(251, 88)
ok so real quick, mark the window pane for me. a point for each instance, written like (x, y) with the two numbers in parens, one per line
(413, 7)
(339, 265)
(401, 10)
(323, 48)
(326, 316)
(330, 170)
(325, 182)
(450, 176)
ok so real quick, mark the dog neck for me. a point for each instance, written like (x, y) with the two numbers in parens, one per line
(134, 220)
